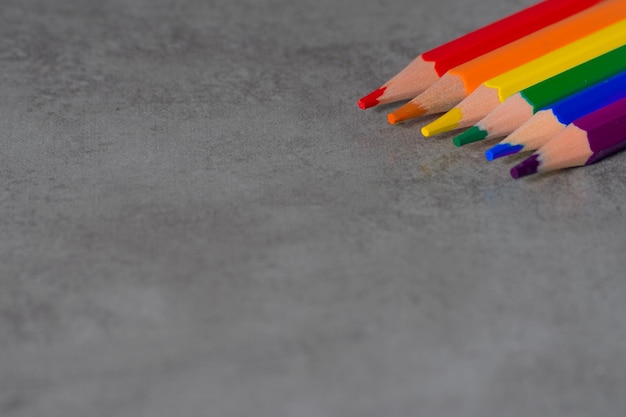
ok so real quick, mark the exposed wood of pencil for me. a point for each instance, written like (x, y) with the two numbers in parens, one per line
(469, 111)
(408, 83)
(507, 117)
(536, 132)
(570, 148)
(448, 91)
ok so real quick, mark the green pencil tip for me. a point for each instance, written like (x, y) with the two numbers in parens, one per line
(473, 134)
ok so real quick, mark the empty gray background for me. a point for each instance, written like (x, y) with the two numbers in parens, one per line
(197, 220)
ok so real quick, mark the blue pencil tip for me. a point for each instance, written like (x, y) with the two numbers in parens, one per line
(502, 149)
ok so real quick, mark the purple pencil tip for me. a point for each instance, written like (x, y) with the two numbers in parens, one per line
(527, 167)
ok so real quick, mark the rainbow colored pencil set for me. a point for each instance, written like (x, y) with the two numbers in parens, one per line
(550, 78)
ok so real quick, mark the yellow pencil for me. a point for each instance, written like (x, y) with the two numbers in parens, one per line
(494, 91)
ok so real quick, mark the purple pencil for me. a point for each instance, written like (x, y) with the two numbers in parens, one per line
(586, 140)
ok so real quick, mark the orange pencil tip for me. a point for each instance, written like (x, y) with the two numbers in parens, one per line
(406, 112)
(392, 119)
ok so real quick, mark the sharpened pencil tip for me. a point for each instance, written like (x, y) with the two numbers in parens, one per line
(473, 134)
(445, 123)
(406, 112)
(502, 149)
(371, 99)
(527, 167)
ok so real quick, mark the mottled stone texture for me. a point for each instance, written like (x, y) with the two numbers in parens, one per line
(196, 220)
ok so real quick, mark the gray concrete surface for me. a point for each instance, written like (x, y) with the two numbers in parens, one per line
(196, 220)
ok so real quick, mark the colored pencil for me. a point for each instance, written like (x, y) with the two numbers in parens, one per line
(520, 107)
(587, 140)
(548, 122)
(428, 67)
(460, 81)
(494, 91)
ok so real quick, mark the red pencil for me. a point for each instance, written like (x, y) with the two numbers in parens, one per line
(430, 66)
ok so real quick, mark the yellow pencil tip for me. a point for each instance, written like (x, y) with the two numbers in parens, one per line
(445, 123)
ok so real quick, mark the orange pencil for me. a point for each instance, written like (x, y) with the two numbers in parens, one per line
(462, 80)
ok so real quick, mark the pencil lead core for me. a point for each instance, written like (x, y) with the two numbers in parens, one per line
(371, 99)
(527, 167)
(473, 134)
(445, 123)
(406, 112)
(501, 150)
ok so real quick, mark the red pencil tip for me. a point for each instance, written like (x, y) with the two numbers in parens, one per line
(371, 99)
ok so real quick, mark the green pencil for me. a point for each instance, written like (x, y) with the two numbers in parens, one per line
(520, 107)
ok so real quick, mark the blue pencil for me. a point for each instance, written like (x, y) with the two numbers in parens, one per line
(548, 122)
